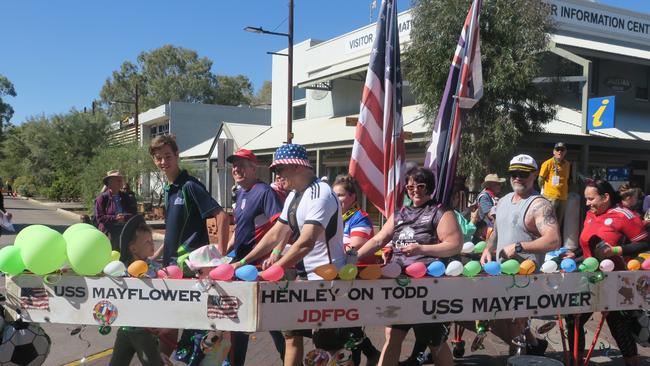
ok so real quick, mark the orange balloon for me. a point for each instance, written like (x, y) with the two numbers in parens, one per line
(138, 268)
(633, 265)
(327, 271)
(371, 272)
(527, 267)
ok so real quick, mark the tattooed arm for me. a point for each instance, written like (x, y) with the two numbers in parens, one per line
(491, 247)
(540, 219)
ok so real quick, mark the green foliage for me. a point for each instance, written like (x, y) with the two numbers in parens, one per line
(263, 96)
(131, 160)
(25, 186)
(513, 40)
(167, 74)
(6, 111)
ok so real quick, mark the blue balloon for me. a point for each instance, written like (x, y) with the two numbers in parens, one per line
(492, 268)
(568, 265)
(247, 273)
(436, 269)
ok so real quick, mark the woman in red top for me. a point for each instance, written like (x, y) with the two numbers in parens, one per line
(611, 231)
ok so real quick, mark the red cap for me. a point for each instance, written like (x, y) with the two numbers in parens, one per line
(242, 154)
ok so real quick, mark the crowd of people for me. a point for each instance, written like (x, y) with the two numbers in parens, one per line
(300, 222)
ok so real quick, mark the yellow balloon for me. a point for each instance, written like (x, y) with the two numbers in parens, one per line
(138, 268)
(115, 256)
(633, 265)
(644, 255)
(327, 271)
(348, 272)
(527, 267)
(371, 272)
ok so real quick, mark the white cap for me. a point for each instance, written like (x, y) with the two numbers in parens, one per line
(523, 162)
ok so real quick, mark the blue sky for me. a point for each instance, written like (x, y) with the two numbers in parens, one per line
(58, 54)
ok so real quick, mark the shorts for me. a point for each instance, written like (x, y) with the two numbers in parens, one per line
(432, 334)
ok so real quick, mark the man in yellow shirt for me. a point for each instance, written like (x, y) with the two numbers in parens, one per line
(554, 180)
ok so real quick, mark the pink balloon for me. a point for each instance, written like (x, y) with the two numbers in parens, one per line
(273, 273)
(391, 270)
(173, 272)
(416, 270)
(222, 272)
(645, 265)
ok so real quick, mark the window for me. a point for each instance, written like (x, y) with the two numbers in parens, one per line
(300, 112)
(299, 93)
(159, 130)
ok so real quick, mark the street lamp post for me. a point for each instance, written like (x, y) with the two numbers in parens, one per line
(289, 55)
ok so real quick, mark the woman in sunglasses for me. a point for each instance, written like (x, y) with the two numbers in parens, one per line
(421, 232)
(610, 231)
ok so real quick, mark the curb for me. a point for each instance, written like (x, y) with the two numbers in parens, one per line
(70, 215)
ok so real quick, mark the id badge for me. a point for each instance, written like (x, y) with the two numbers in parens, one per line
(555, 180)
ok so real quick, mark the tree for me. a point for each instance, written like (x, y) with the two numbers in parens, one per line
(6, 111)
(514, 36)
(167, 74)
(263, 96)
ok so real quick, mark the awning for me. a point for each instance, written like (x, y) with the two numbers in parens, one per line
(317, 82)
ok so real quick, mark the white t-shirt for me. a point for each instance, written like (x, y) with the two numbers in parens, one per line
(317, 205)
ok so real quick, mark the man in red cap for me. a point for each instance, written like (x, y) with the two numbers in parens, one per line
(256, 209)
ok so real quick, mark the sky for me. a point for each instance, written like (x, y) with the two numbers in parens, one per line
(58, 54)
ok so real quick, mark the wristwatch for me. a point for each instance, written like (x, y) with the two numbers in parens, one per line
(518, 247)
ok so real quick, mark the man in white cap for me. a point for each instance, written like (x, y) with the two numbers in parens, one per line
(489, 196)
(525, 228)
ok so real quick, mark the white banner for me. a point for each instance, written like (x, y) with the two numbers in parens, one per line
(136, 302)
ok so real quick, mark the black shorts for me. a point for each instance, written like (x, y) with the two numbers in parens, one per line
(432, 334)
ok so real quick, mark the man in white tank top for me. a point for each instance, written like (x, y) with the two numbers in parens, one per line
(525, 228)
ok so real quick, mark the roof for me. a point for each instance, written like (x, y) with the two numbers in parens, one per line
(198, 151)
(600, 46)
(630, 125)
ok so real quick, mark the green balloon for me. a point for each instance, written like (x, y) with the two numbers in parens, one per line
(472, 268)
(42, 249)
(348, 272)
(10, 260)
(589, 265)
(480, 247)
(89, 251)
(77, 226)
(511, 267)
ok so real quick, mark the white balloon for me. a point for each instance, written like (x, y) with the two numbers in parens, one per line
(115, 269)
(549, 267)
(454, 268)
(606, 265)
(468, 247)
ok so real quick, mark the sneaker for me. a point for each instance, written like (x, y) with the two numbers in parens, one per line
(538, 350)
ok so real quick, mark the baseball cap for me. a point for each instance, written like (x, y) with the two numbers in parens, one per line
(560, 145)
(523, 162)
(291, 154)
(242, 154)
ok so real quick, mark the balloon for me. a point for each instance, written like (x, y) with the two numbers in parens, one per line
(222, 272)
(327, 271)
(480, 247)
(181, 260)
(11, 261)
(246, 272)
(591, 264)
(607, 265)
(416, 270)
(472, 268)
(645, 265)
(568, 265)
(273, 273)
(78, 226)
(42, 249)
(633, 265)
(436, 269)
(115, 269)
(511, 267)
(173, 272)
(644, 255)
(391, 270)
(549, 267)
(138, 268)
(348, 272)
(492, 268)
(468, 247)
(527, 267)
(88, 251)
(115, 255)
(454, 268)
(371, 272)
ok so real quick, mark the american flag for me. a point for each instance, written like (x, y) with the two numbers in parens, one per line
(34, 298)
(223, 307)
(377, 160)
(463, 90)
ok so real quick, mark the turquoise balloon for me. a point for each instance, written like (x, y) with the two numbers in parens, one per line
(436, 269)
(511, 267)
(10, 260)
(472, 268)
(78, 226)
(480, 247)
(89, 251)
(247, 273)
(492, 268)
(568, 265)
(42, 249)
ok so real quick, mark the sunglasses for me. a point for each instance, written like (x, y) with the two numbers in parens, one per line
(560, 149)
(519, 174)
(419, 186)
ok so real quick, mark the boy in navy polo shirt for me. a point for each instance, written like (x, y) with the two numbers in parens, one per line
(187, 205)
